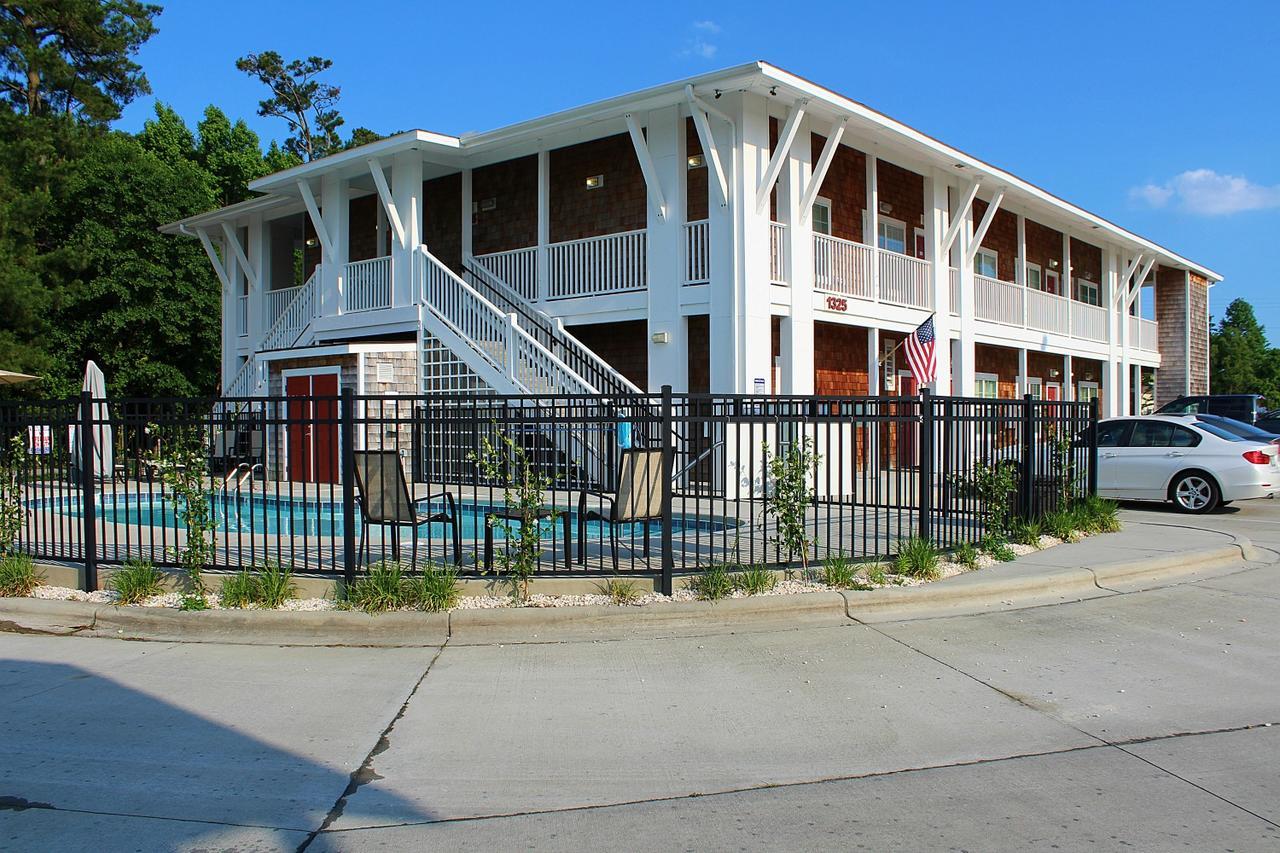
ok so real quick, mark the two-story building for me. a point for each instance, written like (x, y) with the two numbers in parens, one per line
(740, 231)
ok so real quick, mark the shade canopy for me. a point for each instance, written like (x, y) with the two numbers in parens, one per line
(9, 377)
(96, 384)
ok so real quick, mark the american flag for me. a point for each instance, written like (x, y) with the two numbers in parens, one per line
(920, 355)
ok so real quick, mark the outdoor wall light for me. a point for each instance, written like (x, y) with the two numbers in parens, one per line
(312, 242)
(696, 161)
(885, 207)
(595, 182)
(1053, 264)
(1054, 372)
(661, 337)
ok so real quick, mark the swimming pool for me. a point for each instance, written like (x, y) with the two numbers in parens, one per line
(299, 517)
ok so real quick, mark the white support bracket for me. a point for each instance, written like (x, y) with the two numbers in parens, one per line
(953, 230)
(1138, 280)
(313, 210)
(971, 251)
(709, 149)
(787, 136)
(820, 168)
(388, 201)
(646, 166)
(234, 242)
(1122, 291)
(218, 268)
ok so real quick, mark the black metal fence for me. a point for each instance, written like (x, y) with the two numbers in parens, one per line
(655, 484)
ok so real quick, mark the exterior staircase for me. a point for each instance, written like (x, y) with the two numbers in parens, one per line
(289, 329)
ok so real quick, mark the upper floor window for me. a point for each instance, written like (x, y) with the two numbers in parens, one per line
(986, 262)
(1086, 391)
(892, 235)
(987, 385)
(821, 216)
(1034, 280)
(1088, 291)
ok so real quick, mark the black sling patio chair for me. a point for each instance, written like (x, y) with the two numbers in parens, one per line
(638, 500)
(384, 500)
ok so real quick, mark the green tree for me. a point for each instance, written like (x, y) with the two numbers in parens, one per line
(298, 97)
(230, 153)
(73, 56)
(1240, 359)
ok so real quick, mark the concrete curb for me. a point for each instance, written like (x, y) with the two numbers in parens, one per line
(996, 588)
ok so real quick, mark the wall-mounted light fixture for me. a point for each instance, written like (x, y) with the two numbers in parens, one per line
(312, 242)
(1053, 264)
(661, 337)
(595, 182)
(1088, 377)
(885, 207)
(488, 204)
(1054, 372)
(696, 161)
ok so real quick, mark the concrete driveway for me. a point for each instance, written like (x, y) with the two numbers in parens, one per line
(1148, 720)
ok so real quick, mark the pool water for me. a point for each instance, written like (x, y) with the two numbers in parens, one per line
(296, 517)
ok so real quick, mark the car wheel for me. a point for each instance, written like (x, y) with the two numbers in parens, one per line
(1194, 492)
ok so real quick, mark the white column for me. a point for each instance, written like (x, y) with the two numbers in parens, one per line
(468, 220)
(230, 337)
(871, 225)
(1112, 375)
(406, 190)
(1021, 269)
(1024, 383)
(755, 331)
(873, 362)
(798, 330)
(258, 249)
(335, 210)
(1068, 378)
(965, 351)
(544, 223)
(722, 239)
(669, 361)
(935, 227)
(1068, 277)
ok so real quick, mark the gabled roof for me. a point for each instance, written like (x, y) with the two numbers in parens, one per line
(889, 135)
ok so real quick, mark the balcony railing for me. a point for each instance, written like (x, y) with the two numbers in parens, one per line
(1048, 312)
(367, 285)
(517, 267)
(846, 267)
(1088, 321)
(1144, 334)
(998, 301)
(613, 263)
(277, 301)
(697, 263)
(777, 253)
(904, 280)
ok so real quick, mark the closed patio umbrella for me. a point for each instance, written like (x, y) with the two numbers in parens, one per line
(96, 384)
(9, 377)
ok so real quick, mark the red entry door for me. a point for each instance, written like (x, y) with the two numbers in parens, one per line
(313, 427)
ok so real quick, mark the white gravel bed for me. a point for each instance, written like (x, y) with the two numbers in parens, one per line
(796, 585)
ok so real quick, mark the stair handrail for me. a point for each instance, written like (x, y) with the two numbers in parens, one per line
(277, 327)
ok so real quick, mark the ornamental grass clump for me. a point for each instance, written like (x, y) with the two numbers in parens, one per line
(713, 584)
(239, 590)
(876, 575)
(1026, 532)
(275, 585)
(997, 549)
(435, 590)
(136, 581)
(18, 575)
(838, 572)
(756, 580)
(1099, 515)
(967, 556)
(382, 589)
(1060, 524)
(917, 558)
(620, 590)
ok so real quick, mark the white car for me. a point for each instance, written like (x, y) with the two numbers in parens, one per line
(1194, 464)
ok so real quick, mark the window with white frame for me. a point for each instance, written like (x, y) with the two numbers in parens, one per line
(821, 216)
(1035, 387)
(1034, 280)
(892, 235)
(987, 263)
(987, 385)
(1086, 391)
(1088, 292)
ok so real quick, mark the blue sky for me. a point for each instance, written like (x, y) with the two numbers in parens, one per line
(1164, 117)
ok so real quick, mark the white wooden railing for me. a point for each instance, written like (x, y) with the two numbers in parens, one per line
(496, 337)
(842, 266)
(367, 285)
(518, 268)
(1048, 312)
(295, 315)
(242, 315)
(278, 300)
(244, 383)
(778, 253)
(1144, 334)
(697, 252)
(1088, 321)
(904, 280)
(998, 301)
(610, 264)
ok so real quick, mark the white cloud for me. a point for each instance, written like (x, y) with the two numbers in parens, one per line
(700, 43)
(1207, 193)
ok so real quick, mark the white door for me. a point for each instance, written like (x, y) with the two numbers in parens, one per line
(1112, 438)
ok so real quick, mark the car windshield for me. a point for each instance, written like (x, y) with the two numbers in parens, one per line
(1235, 427)
(1215, 429)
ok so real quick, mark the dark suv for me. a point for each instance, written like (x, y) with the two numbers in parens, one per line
(1243, 407)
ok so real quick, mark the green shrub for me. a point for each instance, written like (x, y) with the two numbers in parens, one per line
(999, 551)
(1099, 515)
(239, 590)
(18, 575)
(917, 558)
(1026, 532)
(838, 573)
(136, 581)
(622, 591)
(967, 556)
(713, 584)
(383, 588)
(789, 471)
(756, 580)
(435, 590)
(1060, 524)
(876, 574)
(275, 585)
